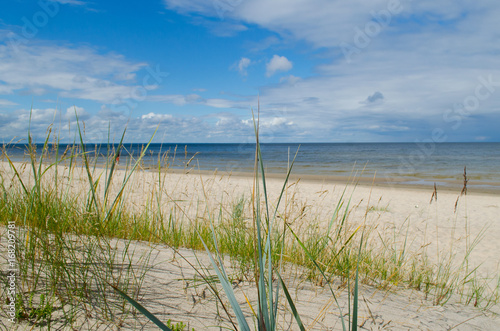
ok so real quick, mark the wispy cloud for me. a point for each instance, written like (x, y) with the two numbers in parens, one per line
(6, 103)
(291, 79)
(78, 72)
(70, 2)
(242, 66)
(177, 99)
(220, 28)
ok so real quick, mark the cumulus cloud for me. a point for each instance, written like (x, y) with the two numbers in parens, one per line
(278, 63)
(72, 113)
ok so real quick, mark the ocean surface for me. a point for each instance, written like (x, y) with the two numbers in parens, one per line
(395, 163)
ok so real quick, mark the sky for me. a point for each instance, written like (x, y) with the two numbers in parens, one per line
(194, 70)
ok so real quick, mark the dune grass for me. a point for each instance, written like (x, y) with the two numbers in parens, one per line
(68, 211)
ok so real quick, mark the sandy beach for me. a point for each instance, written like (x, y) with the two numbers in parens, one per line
(441, 225)
(442, 230)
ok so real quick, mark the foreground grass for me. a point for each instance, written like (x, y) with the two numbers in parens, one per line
(68, 262)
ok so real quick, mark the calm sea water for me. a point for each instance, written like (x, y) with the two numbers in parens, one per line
(406, 163)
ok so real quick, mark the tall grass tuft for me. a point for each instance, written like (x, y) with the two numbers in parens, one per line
(64, 250)
(267, 263)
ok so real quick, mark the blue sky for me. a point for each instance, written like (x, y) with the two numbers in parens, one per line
(322, 70)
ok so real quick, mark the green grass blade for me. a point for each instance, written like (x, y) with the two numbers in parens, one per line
(354, 326)
(228, 289)
(113, 164)
(143, 310)
(268, 309)
(265, 320)
(285, 183)
(87, 168)
(292, 305)
(16, 173)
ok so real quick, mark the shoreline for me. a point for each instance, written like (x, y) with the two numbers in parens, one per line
(449, 186)
(419, 184)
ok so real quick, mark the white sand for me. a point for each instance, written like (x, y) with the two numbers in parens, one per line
(396, 211)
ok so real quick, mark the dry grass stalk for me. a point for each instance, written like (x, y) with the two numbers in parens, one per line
(434, 194)
(466, 180)
(464, 189)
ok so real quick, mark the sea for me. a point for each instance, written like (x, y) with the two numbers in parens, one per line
(412, 164)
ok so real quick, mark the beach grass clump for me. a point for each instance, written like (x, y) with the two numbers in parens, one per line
(64, 252)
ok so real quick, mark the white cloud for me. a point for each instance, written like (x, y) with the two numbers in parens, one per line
(38, 121)
(109, 124)
(73, 112)
(156, 117)
(243, 64)
(77, 72)
(275, 122)
(221, 103)
(278, 63)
